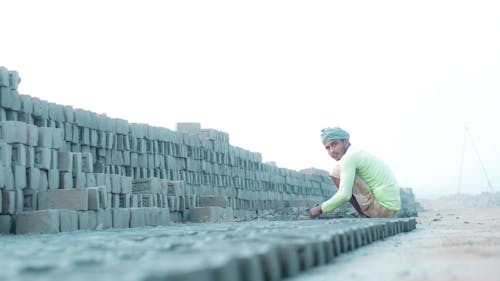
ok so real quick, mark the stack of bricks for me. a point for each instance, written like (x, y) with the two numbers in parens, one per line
(56, 161)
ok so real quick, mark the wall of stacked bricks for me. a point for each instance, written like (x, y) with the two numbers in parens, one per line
(65, 169)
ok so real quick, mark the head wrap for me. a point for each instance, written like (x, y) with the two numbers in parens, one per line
(333, 133)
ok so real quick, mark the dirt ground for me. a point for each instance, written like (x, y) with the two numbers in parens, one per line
(453, 241)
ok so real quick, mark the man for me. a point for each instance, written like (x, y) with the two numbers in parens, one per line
(362, 179)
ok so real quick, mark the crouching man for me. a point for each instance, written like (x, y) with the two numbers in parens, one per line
(362, 179)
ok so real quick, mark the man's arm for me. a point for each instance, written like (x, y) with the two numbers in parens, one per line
(353, 201)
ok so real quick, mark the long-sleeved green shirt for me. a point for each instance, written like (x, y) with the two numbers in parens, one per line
(373, 171)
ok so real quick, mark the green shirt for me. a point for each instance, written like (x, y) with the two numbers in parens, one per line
(373, 171)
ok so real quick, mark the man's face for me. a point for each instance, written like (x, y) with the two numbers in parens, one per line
(336, 148)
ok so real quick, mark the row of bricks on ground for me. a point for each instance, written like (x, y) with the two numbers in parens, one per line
(44, 158)
(94, 198)
(47, 137)
(91, 198)
(12, 202)
(71, 137)
(19, 177)
(63, 220)
(263, 257)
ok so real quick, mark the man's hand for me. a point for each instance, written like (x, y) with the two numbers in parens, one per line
(315, 211)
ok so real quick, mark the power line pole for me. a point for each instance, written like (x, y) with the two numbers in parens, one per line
(467, 132)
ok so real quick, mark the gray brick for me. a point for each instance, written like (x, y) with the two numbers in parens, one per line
(19, 177)
(79, 180)
(32, 135)
(8, 202)
(121, 217)
(14, 132)
(37, 222)
(33, 178)
(69, 115)
(53, 180)
(30, 157)
(5, 154)
(65, 161)
(43, 158)
(103, 197)
(137, 217)
(87, 163)
(43, 183)
(83, 220)
(94, 199)
(6, 224)
(14, 79)
(26, 104)
(207, 214)
(71, 199)
(4, 77)
(68, 220)
(19, 154)
(207, 201)
(104, 219)
(45, 137)
(66, 180)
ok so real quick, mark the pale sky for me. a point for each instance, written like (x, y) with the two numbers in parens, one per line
(403, 77)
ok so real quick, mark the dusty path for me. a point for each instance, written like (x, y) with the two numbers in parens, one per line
(448, 244)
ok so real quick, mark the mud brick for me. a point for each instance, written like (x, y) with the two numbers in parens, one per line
(126, 184)
(87, 163)
(37, 222)
(149, 185)
(5, 154)
(30, 157)
(57, 138)
(32, 135)
(124, 200)
(8, 202)
(121, 217)
(107, 180)
(92, 219)
(54, 159)
(4, 77)
(83, 220)
(43, 157)
(207, 214)
(164, 217)
(77, 163)
(134, 201)
(66, 180)
(103, 197)
(45, 137)
(71, 199)
(43, 183)
(65, 161)
(68, 220)
(137, 217)
(79, 180)
(104, 219)
(32, 178)
(94, 199)
(19, 177)
(6, 224)
(176, 188)
(216, 201)
(115, 200)
(91, 181)
(19, 154)
(53, 179)
(154, 216)
(8, 98)
(146, 200)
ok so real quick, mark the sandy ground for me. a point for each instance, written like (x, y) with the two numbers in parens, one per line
(450, 243)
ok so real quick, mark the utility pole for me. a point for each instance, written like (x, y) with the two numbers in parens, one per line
(467, 132)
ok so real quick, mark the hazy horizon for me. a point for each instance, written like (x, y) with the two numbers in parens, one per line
(403, 78)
